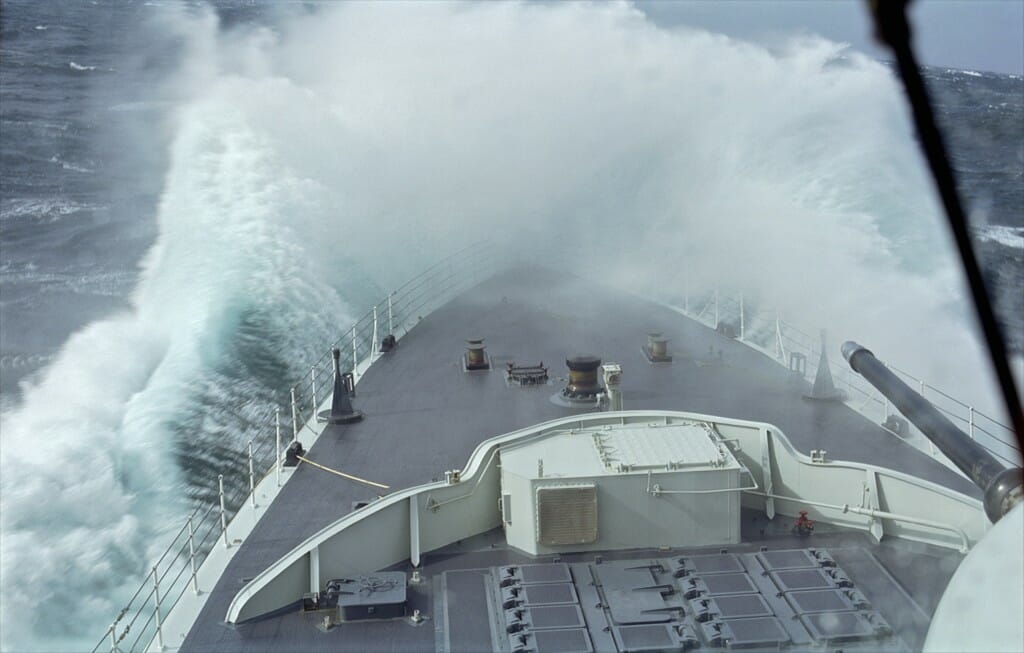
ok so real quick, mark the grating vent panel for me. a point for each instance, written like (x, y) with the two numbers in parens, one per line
(567, 515)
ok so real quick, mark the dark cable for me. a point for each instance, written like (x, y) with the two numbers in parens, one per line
(894, 30)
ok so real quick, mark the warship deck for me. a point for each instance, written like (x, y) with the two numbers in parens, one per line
(425, 414)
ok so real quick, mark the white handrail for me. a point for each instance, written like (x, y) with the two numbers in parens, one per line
(786, 338)
(433, 285)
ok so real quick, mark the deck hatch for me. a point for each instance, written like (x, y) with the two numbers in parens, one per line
(717, 585)
(793, 559)
(718, 563)
(549, 573)
(631, 592)
(731, 606)
(801, 579)
(819, 601)
(747, 633)
(562, 641)
(549, 593)
(655, 637)
(556, 616)
(567, 514)
(844, 626)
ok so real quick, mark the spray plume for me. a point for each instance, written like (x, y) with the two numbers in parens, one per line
(361, 141)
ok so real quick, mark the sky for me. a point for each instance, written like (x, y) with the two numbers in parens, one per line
(982, 35)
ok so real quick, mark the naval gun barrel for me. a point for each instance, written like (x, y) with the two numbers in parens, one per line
(1002, 487)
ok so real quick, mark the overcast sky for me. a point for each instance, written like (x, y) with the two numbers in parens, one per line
(983, 35)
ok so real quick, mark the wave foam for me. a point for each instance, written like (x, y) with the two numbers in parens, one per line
(1004, 235)
(69, 166)
(45, 209)
(291, 184)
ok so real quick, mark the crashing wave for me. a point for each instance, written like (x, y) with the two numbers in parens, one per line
(1004, 235)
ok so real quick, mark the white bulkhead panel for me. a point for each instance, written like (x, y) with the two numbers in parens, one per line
(621, 487)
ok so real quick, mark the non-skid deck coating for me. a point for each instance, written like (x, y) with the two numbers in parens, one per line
(425, 415)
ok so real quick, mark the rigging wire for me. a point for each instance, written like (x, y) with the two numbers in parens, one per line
(892, 29)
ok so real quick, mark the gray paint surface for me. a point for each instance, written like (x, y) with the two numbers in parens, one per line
(424, 415)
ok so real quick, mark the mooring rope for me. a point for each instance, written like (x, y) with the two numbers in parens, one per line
(344, 475)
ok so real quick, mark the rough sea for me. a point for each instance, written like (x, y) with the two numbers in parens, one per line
(170, 251)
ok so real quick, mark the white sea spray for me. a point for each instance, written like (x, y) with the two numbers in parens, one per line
(369, 139)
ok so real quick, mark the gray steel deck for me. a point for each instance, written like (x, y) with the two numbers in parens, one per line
(424, 415)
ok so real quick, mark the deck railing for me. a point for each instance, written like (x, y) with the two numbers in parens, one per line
(139, 625)
(781, 339)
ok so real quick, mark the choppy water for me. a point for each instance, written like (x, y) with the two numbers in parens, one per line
(191, 201)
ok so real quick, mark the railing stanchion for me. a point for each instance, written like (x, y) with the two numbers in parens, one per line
(159, 625)
(931, 445)
(373, 341)
(312, 380)
(780, 349)
(355, 353)
(426, 291)
(252, 478)
(295, 417)
(716, 308)
(277, 446)
(223, 514)
(192, 554)
(743, 331)
(778, 338)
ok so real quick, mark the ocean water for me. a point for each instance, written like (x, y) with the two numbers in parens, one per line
(193, 201)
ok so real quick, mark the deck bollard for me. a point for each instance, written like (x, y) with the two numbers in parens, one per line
(223, 514)
(252, 478)
(192, 554)
(159, 624)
